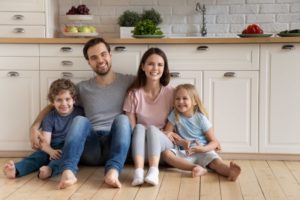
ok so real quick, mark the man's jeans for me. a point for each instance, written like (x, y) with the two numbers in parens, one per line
(96, 147)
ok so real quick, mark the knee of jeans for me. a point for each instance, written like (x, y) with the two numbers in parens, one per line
(79, 125)
(122, 121)
(80, 120)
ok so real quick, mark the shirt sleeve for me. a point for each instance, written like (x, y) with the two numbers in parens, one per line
(205, 123)
(47, 124)
(130, 103)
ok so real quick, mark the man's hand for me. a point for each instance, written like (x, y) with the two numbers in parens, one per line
(34, 139)
(55, 154)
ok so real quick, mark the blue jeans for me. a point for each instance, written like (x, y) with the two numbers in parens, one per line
(38, 159)
(96, 147)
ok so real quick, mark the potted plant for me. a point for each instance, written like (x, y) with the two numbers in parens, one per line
(152, 15)
(127, 22)
(147, 28)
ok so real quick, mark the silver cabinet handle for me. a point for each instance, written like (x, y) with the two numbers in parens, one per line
(288, 47)
(66, 49)
(120, 48)
(202, 48)
(67, 63)
(19, 30)
(13, 74)
(175, 74)
(18, 17)
(67, 75)
(229, 74)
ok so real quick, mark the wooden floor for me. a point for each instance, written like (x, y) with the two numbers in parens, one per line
(259, 180)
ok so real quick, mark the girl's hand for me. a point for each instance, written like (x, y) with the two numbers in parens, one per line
(55, 154)
(196, 149)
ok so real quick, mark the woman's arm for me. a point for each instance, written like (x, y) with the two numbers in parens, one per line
(34, 129)
(132, 119)
(169, 131)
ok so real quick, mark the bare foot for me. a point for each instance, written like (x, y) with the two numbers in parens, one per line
(10, 169)
(45, 172)
(67, 179)
(234, 171)
(198, 171)
(112, 178)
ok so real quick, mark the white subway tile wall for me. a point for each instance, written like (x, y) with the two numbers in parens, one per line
(225, 18)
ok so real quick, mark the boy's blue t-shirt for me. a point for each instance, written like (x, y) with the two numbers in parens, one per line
(58, 125)
(191, 128)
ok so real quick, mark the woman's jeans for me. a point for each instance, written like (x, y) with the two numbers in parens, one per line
(96, 147)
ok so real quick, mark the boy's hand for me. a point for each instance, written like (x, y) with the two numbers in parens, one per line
(55, 154)
(34, 139)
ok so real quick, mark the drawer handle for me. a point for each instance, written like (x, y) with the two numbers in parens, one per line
(66, 49)
(229, 74)
(202, 48)
(67, 63)
(13, 74)
(120, 48)
(175, 74)
(288, 47)
(19, 30)
(18, 17)
(66, 75)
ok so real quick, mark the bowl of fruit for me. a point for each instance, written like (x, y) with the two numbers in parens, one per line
(80, 31)
(253, 30)
(81, 12)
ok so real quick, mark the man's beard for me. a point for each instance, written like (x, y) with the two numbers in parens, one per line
(103, 73)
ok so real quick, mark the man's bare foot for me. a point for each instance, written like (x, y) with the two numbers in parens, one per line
(198, 171)
(45, 172)
(10, 169)
(68, 178)
(234, 171)
(112, 178)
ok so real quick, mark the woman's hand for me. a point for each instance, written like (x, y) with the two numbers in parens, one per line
(172, 136)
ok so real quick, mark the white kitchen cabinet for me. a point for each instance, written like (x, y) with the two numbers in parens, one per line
(226, 78)
(28, 18)
(280, 98)
(19, 91)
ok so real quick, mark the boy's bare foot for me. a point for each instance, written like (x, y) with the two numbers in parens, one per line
(112, 178)
(198, 171)
(45, 172)
(10, 169)
(67, 179)
(234, 171)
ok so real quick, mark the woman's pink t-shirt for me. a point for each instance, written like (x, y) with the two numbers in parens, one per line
(150, 112)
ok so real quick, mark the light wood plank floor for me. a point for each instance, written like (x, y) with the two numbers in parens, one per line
(260, 179)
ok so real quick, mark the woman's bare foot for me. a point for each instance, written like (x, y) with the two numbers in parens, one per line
(234, 171)
(10, 169)
(68, 178)
(112, 178)
(198, 171)
(45, 172)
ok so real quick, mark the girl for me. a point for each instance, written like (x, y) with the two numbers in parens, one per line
(196, 135)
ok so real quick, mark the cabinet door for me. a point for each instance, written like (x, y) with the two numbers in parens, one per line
(280, 98)
(126, 58)
(19, 105)
(47, 77)
(231, 99)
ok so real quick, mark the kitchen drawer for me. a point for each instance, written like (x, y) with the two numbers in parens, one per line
(212, 56)
(66, 63)
(61, 50)
(22, 5)
(22, 50)
(22, 31)
(19, 63)
(22, 18)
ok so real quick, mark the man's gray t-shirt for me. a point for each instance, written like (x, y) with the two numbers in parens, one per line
(102, 104)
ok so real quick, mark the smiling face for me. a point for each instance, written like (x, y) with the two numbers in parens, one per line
(184, 104)
(153, 67)
(99, 59)
(63, 103)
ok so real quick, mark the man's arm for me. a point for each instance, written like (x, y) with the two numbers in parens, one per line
(34, 129)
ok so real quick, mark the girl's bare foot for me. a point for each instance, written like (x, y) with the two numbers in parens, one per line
(198, 171)
(68, 178)
(45, 172)
(234, 171)
(10, 169)
(112, 178)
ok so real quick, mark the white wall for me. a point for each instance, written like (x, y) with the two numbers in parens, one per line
(224, 18)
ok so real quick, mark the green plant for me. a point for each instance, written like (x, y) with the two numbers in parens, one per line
(146, 27)
(129, 18)
(152, 15)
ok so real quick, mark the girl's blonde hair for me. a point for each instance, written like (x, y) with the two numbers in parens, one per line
(194, 97)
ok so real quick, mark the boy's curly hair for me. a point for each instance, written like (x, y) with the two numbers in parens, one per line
(60, 85)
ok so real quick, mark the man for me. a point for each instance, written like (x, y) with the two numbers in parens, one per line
(103, 136)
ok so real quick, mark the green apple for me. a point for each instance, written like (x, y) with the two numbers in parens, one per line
(73, 29)
(92, 29)
(84, 29)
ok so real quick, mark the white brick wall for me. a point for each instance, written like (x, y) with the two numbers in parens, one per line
(225, 18)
